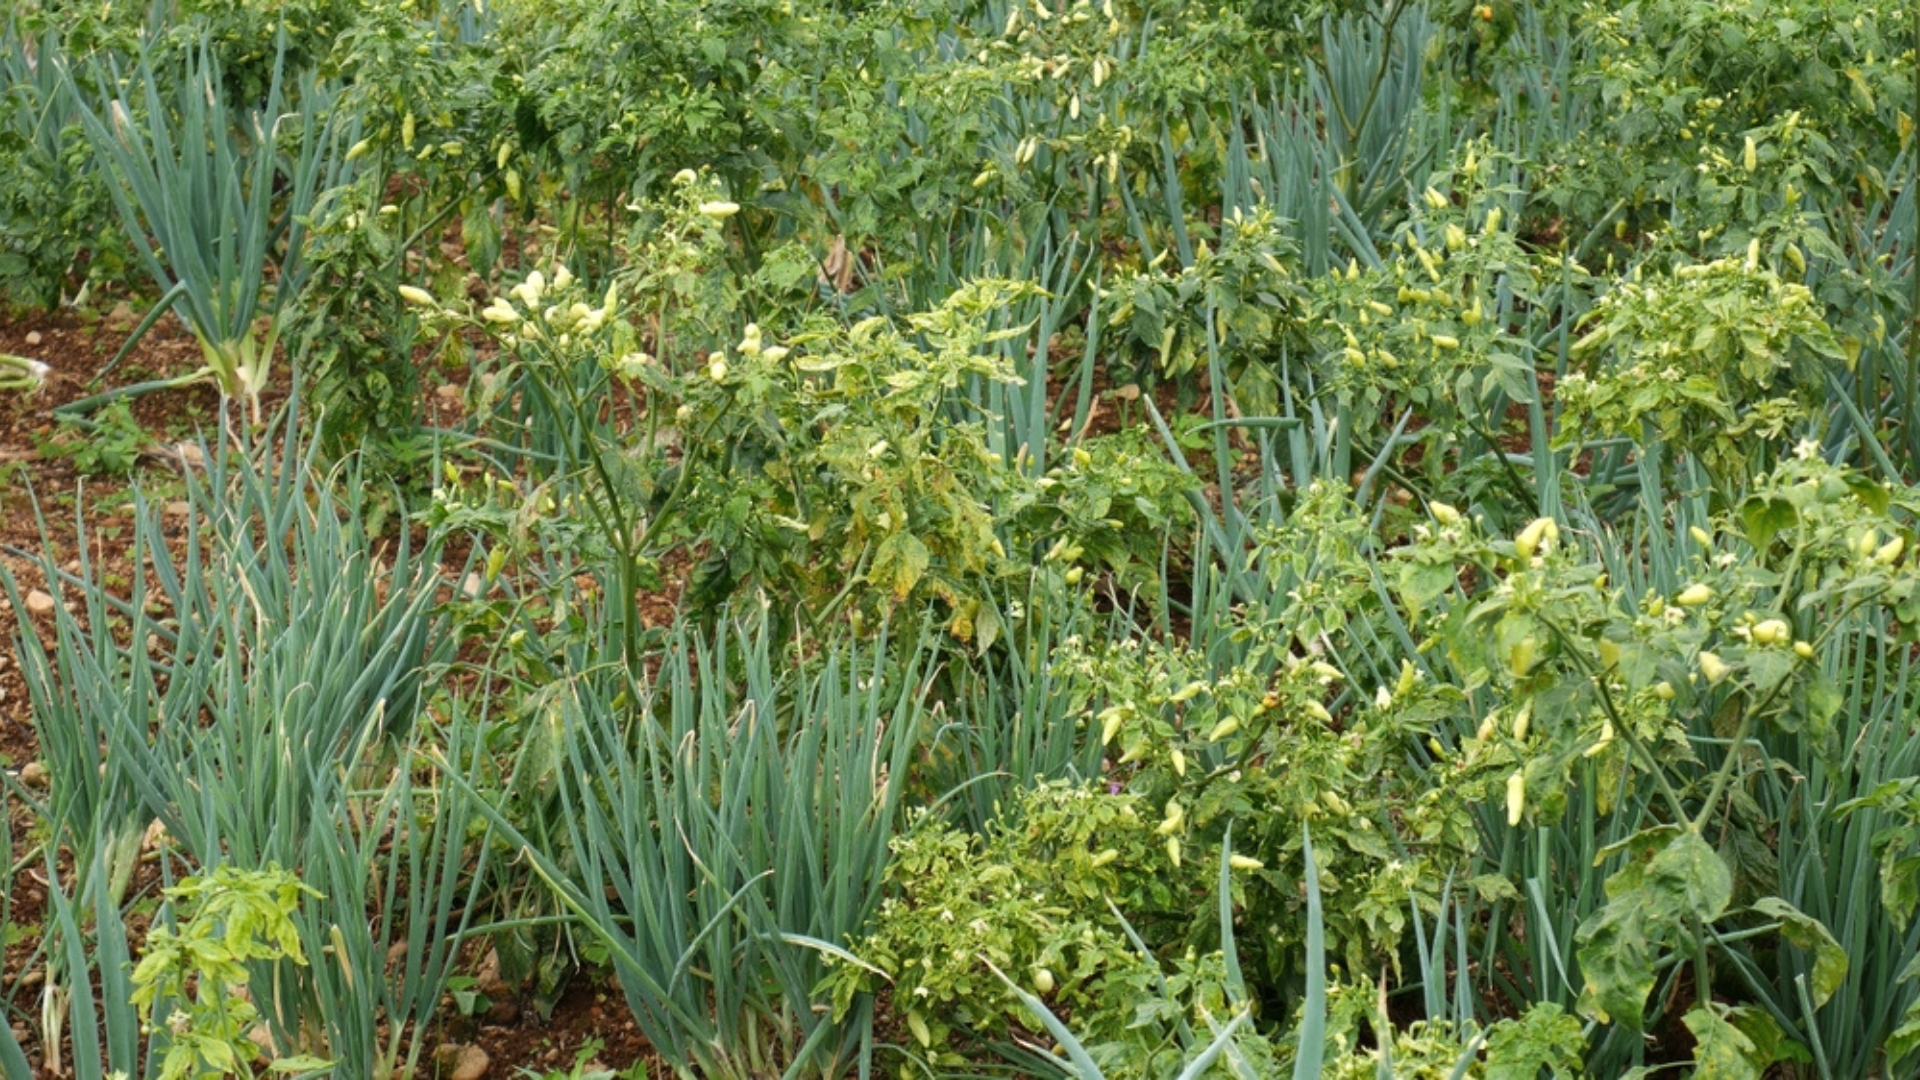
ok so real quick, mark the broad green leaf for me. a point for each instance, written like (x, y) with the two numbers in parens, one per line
(1721, 1051)
(1900, 886)
(1769, 1039)
(480, 233)
(1421, 582)
(1809, 933)
(1491, 887)
(1651, 904)
(1767, 667)
(900, 562)
(1639, 665)
(1905, 1038)
(1874, 496)
(218, 1054)
(1823, 701)
(986, 628)
(1545, 1037)
(1765, 516)
(1640, 846)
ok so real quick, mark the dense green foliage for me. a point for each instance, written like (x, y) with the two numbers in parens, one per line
(1202, 538)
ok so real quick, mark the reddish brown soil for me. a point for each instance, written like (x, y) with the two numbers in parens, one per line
(589, 1012)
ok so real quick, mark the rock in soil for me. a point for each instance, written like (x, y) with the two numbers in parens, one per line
(462, 1062)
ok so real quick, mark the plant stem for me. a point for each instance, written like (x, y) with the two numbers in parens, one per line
(1620, 725)
(1702, 970)
(1724, 775)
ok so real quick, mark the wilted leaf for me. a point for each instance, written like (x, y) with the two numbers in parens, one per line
(901, 561)
(1649, 910)
(1809, 933)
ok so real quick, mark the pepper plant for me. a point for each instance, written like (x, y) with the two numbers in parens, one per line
(187, 976)
(1671, 694)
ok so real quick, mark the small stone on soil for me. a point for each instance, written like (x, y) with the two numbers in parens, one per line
(33, 337)
(472, 1064)
(487, 979)
(39, 603)
(464, 1062)
(33, 774)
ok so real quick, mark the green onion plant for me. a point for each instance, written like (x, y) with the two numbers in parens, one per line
(723, 827)
(257, 698)
(215, 205)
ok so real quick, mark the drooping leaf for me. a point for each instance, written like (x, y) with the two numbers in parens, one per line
(1770, 1040)
(1809, 933)
(1905, 1038)
(1651, 906)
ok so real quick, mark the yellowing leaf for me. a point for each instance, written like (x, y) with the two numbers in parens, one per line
(900, 562)
(1811, 935)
